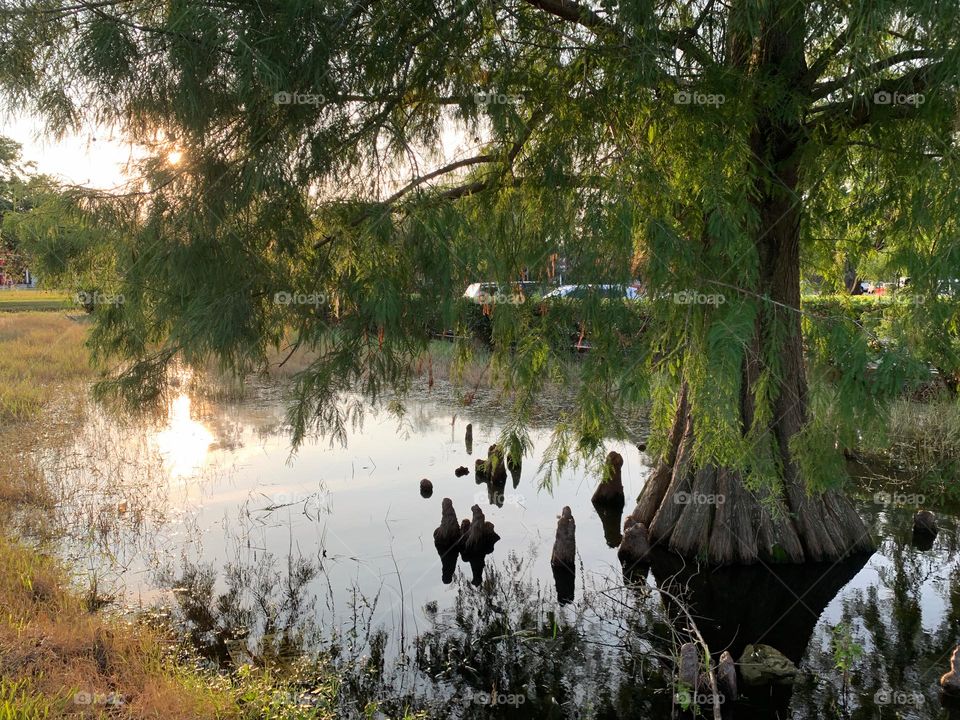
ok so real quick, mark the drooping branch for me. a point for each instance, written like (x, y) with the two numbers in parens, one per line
(535, 119)
(454, 193)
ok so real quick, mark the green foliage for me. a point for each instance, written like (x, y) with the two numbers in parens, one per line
(585, 162)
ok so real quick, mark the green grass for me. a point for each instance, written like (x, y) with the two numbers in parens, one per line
(35, 300)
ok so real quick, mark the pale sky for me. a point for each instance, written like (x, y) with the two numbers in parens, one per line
(98, 157)
(95, 157)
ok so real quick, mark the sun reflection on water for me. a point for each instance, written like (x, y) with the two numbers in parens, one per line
(184, 442)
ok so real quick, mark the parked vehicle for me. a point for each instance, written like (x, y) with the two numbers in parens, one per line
(489, 293)
(571, 294)
(578, 292)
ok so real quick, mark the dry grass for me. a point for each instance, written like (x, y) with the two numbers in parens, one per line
(42, 358)
(58, 657)
(59, 660)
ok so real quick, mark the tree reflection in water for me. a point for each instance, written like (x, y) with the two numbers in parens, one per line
(610, 653)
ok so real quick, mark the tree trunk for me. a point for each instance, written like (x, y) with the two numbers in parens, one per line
(784, 522)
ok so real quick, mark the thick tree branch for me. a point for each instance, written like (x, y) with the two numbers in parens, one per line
(535, 119)
(456, 192)
(576, 13)
(862, 110)
(449, 168)
(820, 64)
(825, 88)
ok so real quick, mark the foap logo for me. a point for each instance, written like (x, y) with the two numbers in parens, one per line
(316, 299)
(91, 698)
(899, 499)
(883, 97)
(98, 298)
(500, 298)
(499, 498)
(687, 698)
(492, 97)
(495, 698)
(685, 498)
(285, 97)
(886, 696)
(901, 299)
(694, 297)
(685, 97)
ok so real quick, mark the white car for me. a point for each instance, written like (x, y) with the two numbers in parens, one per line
(486, 293)
(479, 292)
(626, 292)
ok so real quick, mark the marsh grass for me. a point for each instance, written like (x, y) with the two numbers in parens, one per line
(924, 433)
(919, 453)
(440, 362)
(42, 358)
(61, 655)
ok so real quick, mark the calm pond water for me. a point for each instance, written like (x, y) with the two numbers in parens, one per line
(260, 553)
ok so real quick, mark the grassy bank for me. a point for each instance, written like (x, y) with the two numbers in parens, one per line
(33, 300)
(59, 657)
(41, 358)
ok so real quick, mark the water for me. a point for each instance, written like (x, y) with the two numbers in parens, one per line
(262, 553)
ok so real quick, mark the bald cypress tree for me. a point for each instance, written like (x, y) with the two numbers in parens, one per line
(713, 149)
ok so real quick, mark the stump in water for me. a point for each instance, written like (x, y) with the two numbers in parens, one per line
(609, 492)
(608, 499)
(565, 544)
(446, 539)
(688, 669)
(563, 559)
(447, 535)
(634, 552)
(480, 536)
(461, 471)
(707, 512)
(493, 472)
(514, 465)
(727, 678)
(950, 681)
(496, 466)
(426, 488)
(468, 439)
(478, 540)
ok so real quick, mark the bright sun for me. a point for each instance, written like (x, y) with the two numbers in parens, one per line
(175, 157)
